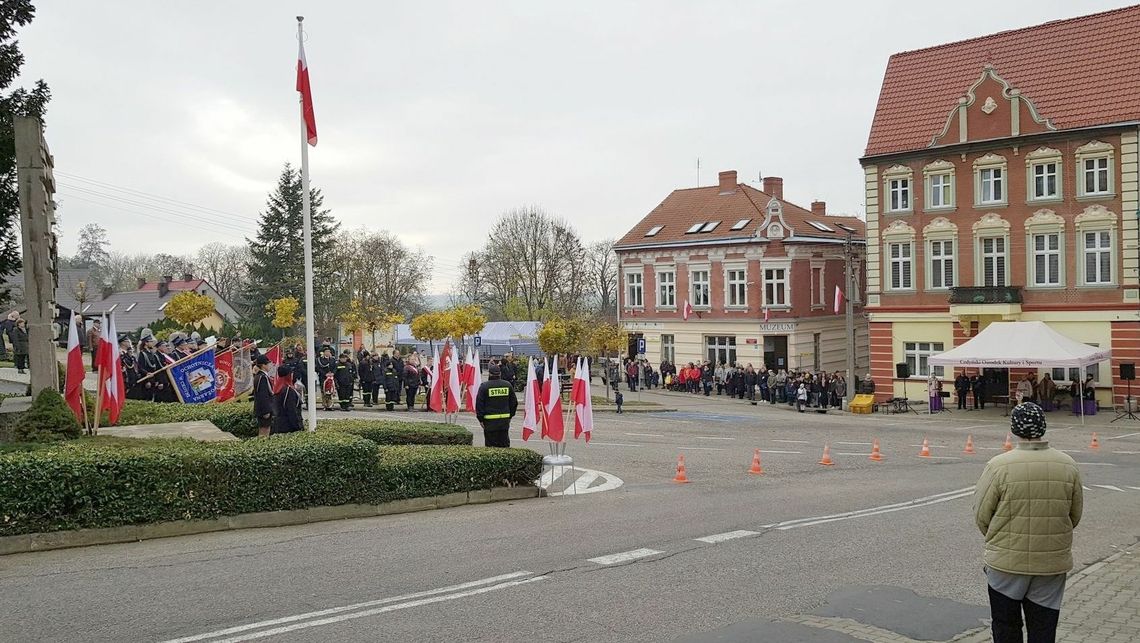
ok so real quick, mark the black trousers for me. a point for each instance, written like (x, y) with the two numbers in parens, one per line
(21, 360)
(410, 396)
(961, 400)
(1040, 622)
(496, 433)
(368, 393)
(344, 395)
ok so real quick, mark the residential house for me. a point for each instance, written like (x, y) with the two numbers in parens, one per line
(143, 306)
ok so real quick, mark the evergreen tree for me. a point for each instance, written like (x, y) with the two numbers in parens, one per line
(19, 102)
(277, 255)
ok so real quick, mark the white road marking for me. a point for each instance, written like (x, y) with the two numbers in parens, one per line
(940, 457)
(623, 557)
(1098, 464)
(790, 452)
(858, 444)
(1127, 452)
(549, 476)
(1109, 487)
(730, 535)
(1134, 488)
(990, 448)
(863, 454)
(701, 449)
(614, 444)
(710, 437)
(793, 441)
(645, 435)
(1086, 488)
(1126, 435)
(874, 511)
(976, 426)
(348, 608)
(583, 482)
(1070, 451)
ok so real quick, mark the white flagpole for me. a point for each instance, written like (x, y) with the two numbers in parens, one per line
(307, 206)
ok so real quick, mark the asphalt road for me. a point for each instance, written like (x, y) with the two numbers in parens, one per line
(648, 560)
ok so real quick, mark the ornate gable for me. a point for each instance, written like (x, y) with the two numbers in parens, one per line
(774, 226)
(990, 109)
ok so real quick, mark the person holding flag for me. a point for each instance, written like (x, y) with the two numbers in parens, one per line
(495, 405)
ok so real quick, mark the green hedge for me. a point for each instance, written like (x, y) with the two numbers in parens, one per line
(396, 432)
(231, 417)
(98, 483)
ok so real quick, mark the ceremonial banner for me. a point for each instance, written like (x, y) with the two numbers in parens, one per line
(243, 371)
(194, 378)
(224, 371)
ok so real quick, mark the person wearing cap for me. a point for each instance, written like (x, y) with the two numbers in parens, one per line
(148, 362)
(93, 335)
(326, 366)
(177, 343)
(163, 387)
(1026, 504)
(287, 404)
(495, 405)
(262, 396)
(128, 362)
(345, 378)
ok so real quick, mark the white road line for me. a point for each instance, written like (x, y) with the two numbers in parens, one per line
(789, 452)
(877, 511)
(793, 441)
(1126, 435)
(976, 426)
(858, 444)
(348, 608)
(1086, 488)
(1070, 451)
(863, 454)
(729, 535)
(710, 437)
(614, 444)
(1127, 452)
(611, 482)
(623, 557)
(701, 449)
(1098, 464)
(991, 448)
(583, 482)
(940, 457)
(645, 435)
(946, 494)
(379, 610)
(1134, 488)
(549, 476)
(1109, 487)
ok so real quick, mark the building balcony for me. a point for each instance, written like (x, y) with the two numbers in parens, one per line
(977, 301)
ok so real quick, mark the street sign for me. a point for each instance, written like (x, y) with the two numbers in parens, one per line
(478, 341)
(641, 345)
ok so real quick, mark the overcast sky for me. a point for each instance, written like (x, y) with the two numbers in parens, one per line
(435, 117)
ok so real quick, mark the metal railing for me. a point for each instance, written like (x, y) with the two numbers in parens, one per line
(985, 295)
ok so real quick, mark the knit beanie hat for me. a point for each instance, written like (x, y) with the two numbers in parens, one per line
(1027, 420)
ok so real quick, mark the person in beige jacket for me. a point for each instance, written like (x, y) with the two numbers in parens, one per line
(1026, 504)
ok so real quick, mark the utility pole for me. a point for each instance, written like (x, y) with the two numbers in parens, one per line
(37, 221)
(848, 261)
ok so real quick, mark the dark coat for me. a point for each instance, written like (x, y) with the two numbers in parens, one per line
(262, 395)
(411, 376)
(367, 373)
(345, 373)
(287, 405)
(19, 340)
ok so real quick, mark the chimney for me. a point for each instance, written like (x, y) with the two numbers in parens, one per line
(727, 182)
(108, 291)
(164, 286)
(774, 187)
(819, 208)
(187, 277)
(142, 282)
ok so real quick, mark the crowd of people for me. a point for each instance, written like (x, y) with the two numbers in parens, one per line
(14, 340)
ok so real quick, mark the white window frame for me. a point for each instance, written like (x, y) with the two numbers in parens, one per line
(1046, 253)
(988, 164)
(1042, 157)
(694, 298)
(719, 344)
(1044, 222)
(995, 255)
(1102, 254)
(635, 286)
(777, 277)
(669, 348)
(940, 258)
(899, 180)
(668, 287)
(1096, 151)
(943, 171)
(736, 289)
(916, 353)
(905, 262)
(818, 295)
(1097, 218)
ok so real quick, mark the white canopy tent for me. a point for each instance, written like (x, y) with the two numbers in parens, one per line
(1031, 344)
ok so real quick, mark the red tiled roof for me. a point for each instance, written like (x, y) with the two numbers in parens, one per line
(684, 208)
(193, 284)
(1078, 72)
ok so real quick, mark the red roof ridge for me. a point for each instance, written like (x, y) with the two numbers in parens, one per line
(1041, 25)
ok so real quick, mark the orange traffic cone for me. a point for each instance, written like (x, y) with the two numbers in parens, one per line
(1008, 446)
(681, 477)
(875, 455)
(756, 468)
(969, 445)
(826, 460)
(925, 452)
(1095, 442)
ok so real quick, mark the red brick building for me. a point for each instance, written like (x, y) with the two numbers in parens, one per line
(735, 252)
(1001, 184)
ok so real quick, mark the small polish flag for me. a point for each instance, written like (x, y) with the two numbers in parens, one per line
(686, 311)
(765, 314)
(453, 392)
(531, 397)
(73, 389)
(306, 97)
(555, 429)
(838, 299)
(580, 396)
(435, 395)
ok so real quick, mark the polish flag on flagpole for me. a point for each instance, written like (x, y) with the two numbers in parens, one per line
(73, 390)
(111, 371)
(686, 311)
(435, 397)
(475, 380)
(306, 96)
(555, 426)
(765, 313)
(453, 392)
(838, 299)
(583, 403)
(530, 400)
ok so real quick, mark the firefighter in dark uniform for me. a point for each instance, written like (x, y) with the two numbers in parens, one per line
(326, 365)
(129, 365)
(368, 383)
(148, 362)
(345, 378)
(262, 396)
(495, 405)
(391, 379)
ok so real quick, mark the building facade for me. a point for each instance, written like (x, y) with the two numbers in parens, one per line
(1001, 185)
(758, 272)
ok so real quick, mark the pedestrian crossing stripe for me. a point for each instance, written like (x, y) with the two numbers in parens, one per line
(571, 481)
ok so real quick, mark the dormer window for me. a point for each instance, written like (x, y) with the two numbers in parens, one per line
(654, 230)
(710, 226)
(822, 227)
(739, 225)
(695, 228)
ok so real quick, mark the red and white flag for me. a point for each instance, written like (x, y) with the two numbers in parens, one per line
(583, 403)
(435, 397)
(306, 97)
(274, 357)
(838, 299)
(112, 387)
(555, 425)
(453, 392)
(474, 381)
(530, 400)
(224, 372)
(73, 390)
(686, 311)
(765, 313)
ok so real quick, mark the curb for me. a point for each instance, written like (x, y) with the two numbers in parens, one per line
(760, 403)
(25, 543)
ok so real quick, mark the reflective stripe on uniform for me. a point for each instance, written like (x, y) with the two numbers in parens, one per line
(499, 391)
(497, 416)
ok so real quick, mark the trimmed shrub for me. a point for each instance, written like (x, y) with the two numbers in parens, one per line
(48, 419)
(396, 432)
(231, 417)
(417, 471)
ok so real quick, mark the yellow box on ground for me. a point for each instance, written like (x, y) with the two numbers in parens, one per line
(862, 404)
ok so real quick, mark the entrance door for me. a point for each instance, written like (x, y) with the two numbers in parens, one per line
(776, 351)
(632, 348)
(997, 383)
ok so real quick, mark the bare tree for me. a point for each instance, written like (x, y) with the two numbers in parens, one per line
(378, 269)
(225, 267)
(604, 276)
